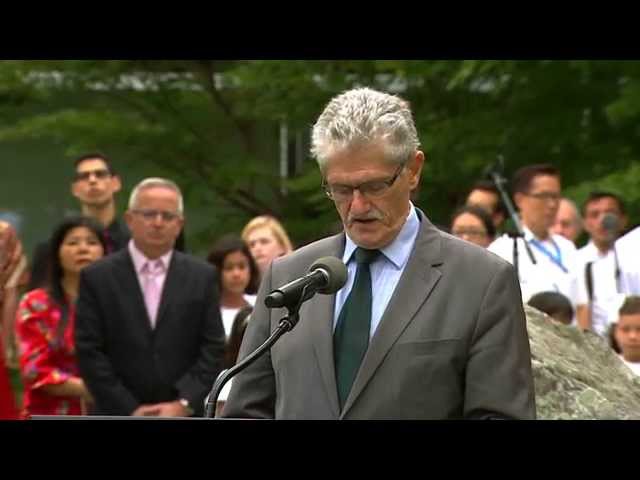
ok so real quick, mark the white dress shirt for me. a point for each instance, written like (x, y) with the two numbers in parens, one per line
(607, 290)
(546, 275)
(628, 248)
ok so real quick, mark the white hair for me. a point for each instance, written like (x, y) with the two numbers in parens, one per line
(361, 116)
(155, 182)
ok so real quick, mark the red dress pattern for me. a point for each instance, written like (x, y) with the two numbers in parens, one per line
(44, 360)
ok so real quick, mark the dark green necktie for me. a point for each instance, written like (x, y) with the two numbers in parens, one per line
(351, 338)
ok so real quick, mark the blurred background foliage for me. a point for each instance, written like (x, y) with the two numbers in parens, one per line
(235, 134)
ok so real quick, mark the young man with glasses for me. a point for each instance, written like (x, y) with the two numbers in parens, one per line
(149, 336)
(427, 326)
(537, 192)
(94, 184)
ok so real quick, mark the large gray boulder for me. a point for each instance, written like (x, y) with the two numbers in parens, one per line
(577, 375)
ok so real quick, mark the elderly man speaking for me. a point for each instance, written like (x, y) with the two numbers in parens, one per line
(427, 326)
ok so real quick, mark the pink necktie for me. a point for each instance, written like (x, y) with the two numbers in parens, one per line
(151, 271)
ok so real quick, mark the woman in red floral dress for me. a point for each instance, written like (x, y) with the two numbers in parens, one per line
(45, 323)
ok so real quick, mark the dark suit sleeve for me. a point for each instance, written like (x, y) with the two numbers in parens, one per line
(93, 362)
(198, 380)
(253, 393)
(499, 382)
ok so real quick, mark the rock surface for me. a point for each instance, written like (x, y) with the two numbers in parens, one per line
(577, 375)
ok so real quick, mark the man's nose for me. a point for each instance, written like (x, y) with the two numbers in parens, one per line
(359, 202)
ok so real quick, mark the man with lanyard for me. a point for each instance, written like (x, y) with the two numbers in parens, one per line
(599, 276)
(536, 190)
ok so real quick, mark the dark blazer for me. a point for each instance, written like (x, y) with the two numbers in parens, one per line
(123, 360)
(452, 343)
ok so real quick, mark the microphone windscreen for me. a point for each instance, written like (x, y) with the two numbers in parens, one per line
(610, 223)
(337, 271)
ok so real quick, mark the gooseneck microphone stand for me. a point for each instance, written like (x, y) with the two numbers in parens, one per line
(286, 324)
(499, 182)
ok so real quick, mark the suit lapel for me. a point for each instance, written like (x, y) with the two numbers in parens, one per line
(171, 287)
(132, 286)
(419, 278)
(322, 307)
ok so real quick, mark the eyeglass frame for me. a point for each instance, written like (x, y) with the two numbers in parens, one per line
(149, 215)
(470, 233)
(545, 196)
(100, 174)
(388, 184)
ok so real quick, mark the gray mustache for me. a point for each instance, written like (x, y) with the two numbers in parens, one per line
(374, 215)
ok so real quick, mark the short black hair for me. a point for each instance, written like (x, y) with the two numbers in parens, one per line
(489, 186)
(478, 212)
(554, 304)
(631, 306)
(611, 336)
(522, 179)
(597, 195)
(92, 156)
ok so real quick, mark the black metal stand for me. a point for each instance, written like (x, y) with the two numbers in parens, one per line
(286, 324)
(515, 236)
(499, 181)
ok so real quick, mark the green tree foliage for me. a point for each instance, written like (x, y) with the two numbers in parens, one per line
(213, 125)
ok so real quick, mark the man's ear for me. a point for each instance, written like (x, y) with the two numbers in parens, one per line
(74, 189)
(518, 197)
(116, 183)
(128, 218)
(415, 167)
(623, 222)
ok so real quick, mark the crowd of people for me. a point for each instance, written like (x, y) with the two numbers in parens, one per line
(590, 287)
(115, 318)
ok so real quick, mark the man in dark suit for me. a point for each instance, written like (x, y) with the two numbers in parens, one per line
(95, 185)
(149, 337)
(427, 326)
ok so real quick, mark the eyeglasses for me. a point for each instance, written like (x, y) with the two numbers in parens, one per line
(150, 215)
(469, 232)
(372, 189)
(100, 174)
(545, 196)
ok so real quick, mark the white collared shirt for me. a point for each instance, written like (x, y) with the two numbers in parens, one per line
(385, 270)
(607, 292)
(628, 248)
(545, 275)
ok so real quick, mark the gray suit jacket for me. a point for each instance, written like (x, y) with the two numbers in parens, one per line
(451, 344)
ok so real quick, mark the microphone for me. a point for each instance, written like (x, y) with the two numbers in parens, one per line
(326, 275)
(610, 224)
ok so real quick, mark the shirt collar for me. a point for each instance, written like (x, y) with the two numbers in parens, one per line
(593, 250)
(529, 236)
(139, 258)
(398, 251)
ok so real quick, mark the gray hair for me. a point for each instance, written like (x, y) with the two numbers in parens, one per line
(576, 212)
(361, 116)
(156, 182)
